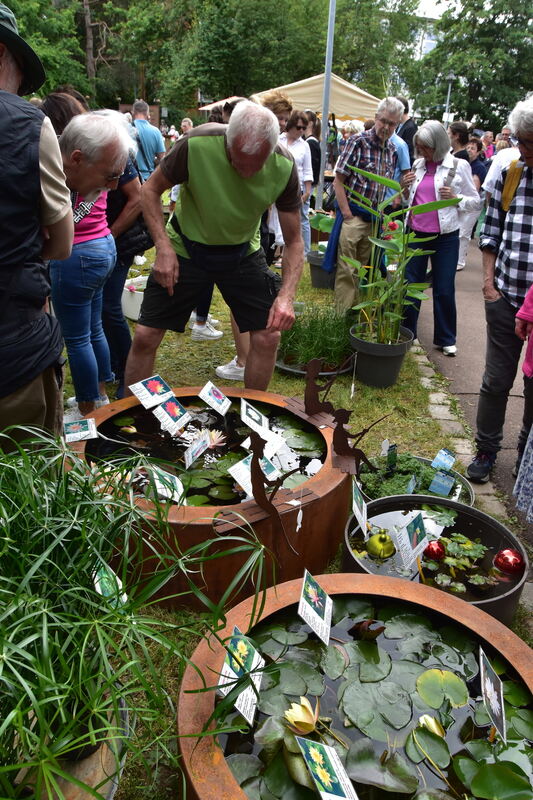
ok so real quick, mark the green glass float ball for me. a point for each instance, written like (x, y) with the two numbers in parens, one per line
(380, 545)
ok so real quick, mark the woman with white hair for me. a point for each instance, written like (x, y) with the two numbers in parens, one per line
(437, 175)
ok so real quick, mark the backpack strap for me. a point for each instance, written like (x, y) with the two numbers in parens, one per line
(451, 172)
(512, 179)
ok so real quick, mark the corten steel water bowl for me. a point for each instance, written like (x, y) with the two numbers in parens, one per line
(208, 776)
(324, 501)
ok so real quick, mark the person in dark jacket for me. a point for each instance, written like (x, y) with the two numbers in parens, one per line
(407, 128)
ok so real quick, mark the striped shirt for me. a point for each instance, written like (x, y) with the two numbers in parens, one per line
(367, 151)
(510, 236)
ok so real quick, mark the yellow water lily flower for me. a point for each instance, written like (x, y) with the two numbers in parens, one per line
(325, 777)
(432, 724)
(316, 755)
(301, 716)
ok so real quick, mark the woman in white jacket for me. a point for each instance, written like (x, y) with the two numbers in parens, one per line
(437, 175)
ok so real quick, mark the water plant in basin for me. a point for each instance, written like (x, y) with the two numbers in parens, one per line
(397, 693)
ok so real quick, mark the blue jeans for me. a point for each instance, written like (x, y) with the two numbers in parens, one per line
(77, 289)
(116, 329)
(305, 226)
(443, 269)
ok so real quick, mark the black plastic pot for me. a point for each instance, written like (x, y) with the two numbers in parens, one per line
(460, 479)
(320, 279)
(500, 601)
(379, 364)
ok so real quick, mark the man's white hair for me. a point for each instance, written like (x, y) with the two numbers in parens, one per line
(521, 117)
(91, 133)
(253, 126)
(390, 105)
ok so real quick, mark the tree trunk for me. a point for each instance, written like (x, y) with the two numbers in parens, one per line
(90, 63)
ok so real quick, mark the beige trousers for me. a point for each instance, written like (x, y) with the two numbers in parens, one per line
(353, 243)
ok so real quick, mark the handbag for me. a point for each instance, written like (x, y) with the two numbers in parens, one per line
(134, 241)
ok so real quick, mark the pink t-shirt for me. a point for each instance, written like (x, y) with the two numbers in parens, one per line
(94, 225)
(425, 193)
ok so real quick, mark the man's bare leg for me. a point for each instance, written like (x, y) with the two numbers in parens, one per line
(261, 359)
(140, 363)
(242, 343)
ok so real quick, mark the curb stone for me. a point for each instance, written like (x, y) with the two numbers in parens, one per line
(486, 497)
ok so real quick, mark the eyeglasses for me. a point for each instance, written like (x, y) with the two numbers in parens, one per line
(300, 127)
(389, 123)
(111, 178)
(527, 144)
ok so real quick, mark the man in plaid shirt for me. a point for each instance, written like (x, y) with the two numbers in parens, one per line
(507, 244)
(373, 152)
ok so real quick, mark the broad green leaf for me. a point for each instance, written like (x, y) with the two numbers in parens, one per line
(378, 710)
(297, 769)
(432, 746)
(412, 751)
(522, 722)
(290, 681)
(244, 766)
(516, 693)
(395, 774)
(354, 607)
(313, 678)
(197, 500)
(264, 792)
(437, 685)
(273, 702)
(521, 755)
(371, 176)
(270, 734)
(375, 663)
(405, 673)
(386, 244)
(433, 794)
(286, 637)
(309, 652)
(500, 782)
(334, 661)
(465, 769)
(276, 777)
(480, 750)
(252, 788)
(434, 206)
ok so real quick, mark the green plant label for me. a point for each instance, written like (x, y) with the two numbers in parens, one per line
(326, 770)
(359, 507)
(152, 391)
(443, 460)
(392, 457)
(315, 607)
(79, 430)
(492, 691)
(172, 415)
(242, 670)
(411, 486)
(442, 484)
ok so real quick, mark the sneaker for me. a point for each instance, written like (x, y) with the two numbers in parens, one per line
(231, 371)
(210, 319)
(201, 333)
(449, 350)
(479, 469)
(103, 400)
(460, 267)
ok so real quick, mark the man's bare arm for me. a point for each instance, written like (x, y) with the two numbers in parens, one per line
(281, 315)
(489, 263)
(166, 267)
(58, 239)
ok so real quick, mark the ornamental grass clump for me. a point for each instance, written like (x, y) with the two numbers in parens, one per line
(320, 332)
(81, 562)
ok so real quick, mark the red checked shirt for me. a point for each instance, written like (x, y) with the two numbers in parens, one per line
(366, 151)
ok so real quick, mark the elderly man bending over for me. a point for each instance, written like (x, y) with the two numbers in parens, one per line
(229, 175)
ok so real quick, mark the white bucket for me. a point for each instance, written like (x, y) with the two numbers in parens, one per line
(131, 300)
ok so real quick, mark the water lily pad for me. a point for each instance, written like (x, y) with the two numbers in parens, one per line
(309, 652)
(376, 708)
(294, 480)
(501, 781)
(395, 774)
(302, 440)
(334, 661)
(276, 776)
(353, 607)
(314, 679)
(269, 735)
(221, 493)
(272, 702)
(122, 421)
(437, 685)
(297, 769)
(516, 693)
(433, 794)
(290, 681)
(288, 637)
(244, 766)
(375, 663)
(430, 745)
(405, 673)
(197, 500)
(198, 483)
(522, 722)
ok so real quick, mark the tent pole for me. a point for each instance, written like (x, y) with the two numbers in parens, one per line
(325, 103)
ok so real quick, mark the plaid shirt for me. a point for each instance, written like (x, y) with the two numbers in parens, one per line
(366, 151)
(510, 236)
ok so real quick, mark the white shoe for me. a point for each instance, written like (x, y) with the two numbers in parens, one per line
(450, 350)
(231, 371)
(210, 319)
(103, 400)
(460, 267)
(205, 332)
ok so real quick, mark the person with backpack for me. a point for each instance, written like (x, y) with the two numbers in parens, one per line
(506, 243)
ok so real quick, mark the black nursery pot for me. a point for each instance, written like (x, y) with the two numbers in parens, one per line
(500, 601)
(379, 364)
(320, 279)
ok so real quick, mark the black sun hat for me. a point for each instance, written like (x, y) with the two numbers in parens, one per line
(30, 63)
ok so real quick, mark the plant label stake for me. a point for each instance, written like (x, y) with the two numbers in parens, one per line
(359, 507)
(326, 770)
(80, 429)
(152, 391)
(315, 607)
(442, 484)
(412, 540)
(443, 460)
(242, 660)
(218, 401)
(392, 459)
(196, 448)
(492, 691)
(172, 415)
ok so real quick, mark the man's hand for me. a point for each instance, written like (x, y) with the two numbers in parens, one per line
(281, 316)
(166, 268)
(523, 328)
(490, 294)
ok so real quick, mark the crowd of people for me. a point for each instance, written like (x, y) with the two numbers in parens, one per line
(241, 188)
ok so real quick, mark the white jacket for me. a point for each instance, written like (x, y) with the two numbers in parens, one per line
(462, 186)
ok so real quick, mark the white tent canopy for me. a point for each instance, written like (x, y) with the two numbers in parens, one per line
(345, 99)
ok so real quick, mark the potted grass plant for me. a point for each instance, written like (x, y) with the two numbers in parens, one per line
(78, 678)
(378, 336)
(320, 332)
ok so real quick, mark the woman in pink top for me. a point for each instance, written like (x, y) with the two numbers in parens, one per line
(524, 484)
(437, 175)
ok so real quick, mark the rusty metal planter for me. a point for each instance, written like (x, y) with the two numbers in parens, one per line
(324, 500)
(208, 776)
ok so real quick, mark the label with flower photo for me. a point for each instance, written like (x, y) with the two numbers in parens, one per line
(315, 607)
(168, 485)
(152, 391)
(492, 691)
(172, 415)
(196, 448)
(412, 540)
(241, 472)
(443, 460)
(253, 418)
(359, 507)
(242, 659)
(80, 429)
(326, 769)
(218, 401)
